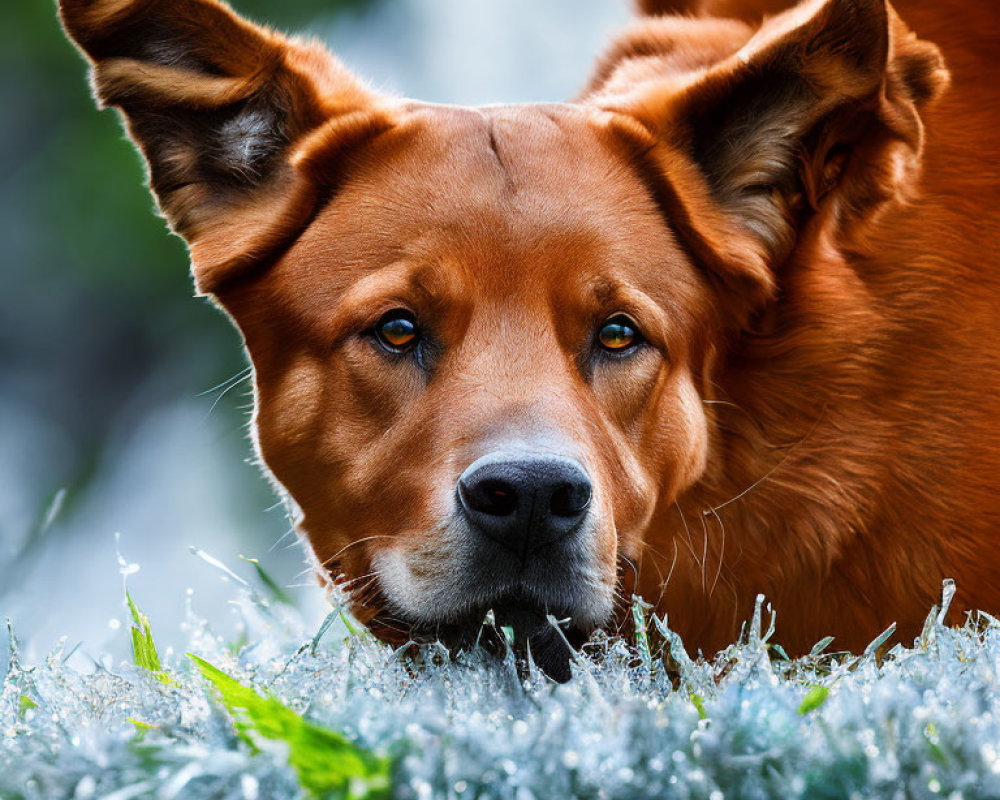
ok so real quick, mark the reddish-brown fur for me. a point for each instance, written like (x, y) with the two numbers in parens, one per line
(801, 215)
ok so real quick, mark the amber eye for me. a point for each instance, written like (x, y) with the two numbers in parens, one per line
(397, 330)
(618, 333)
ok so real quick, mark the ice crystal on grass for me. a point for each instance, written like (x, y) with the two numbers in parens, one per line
(920, 722)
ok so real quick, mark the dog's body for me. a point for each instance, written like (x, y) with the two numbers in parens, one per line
(703, 333)
(866, 452)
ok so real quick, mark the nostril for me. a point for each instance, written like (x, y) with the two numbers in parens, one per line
(570, 499)
(494, 497)
(499, 498)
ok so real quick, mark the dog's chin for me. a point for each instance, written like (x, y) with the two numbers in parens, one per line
(551, 648)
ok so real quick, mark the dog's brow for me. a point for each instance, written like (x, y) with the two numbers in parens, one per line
(420, 283)
(605, 289)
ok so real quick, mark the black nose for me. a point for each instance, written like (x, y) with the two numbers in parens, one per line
(524, 502)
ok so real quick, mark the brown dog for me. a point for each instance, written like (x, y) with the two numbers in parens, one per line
(728, 323)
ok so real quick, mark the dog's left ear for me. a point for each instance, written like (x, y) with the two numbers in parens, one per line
(242, 128)
(816, 112)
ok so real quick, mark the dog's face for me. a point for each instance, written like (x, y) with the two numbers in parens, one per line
(483, 339)
(477, 369)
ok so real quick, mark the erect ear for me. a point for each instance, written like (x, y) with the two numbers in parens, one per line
(817, 111)
(227, 115)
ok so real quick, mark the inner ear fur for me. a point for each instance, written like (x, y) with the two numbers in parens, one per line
(816, 110)
(241, 127)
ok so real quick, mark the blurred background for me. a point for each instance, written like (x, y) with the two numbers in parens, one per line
(109, 422)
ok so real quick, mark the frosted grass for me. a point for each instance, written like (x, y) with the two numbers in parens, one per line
(922, 723)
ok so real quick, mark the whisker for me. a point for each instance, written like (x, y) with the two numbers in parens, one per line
(670, 574)
(659, 558)
(280, 539)
(704, 555)
(243, 374)
(687, 531)
(722, 403)
(771, 471)
(351, 544)
(656, 561)
(722, 552)
(750, 488)
(223, 393)
(366, 594)
(635, 571)
(347, 586)
(393, 623)
(623, 605)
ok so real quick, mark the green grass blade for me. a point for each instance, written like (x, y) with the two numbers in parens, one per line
(276, 591)
(699, 703)
(25, 705)
(346, 619)
(143, 648)
(814, 698)
(639, 608)
(326, 763)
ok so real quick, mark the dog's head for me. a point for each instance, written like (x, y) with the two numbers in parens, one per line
(483, 337)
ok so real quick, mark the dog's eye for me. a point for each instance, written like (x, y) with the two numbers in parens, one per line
(618, 334)
(397, 330)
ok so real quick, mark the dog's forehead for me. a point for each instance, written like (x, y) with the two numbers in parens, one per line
(503, 189)
(527, 162)
(514, 144)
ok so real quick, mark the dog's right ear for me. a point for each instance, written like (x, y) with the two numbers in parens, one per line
(814, 118)
(227, 115)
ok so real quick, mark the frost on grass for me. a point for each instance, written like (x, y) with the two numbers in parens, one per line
(297, 713)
